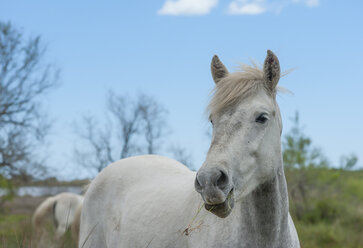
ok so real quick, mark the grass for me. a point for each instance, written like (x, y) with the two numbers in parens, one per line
(16, 232)
(13, 229)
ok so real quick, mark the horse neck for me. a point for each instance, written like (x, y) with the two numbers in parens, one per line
(266, 213)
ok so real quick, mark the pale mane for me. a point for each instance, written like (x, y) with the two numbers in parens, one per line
(235, 86)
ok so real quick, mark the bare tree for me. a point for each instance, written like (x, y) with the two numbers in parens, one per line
(181, 154)
(24, 79)
(99, 152)
(127, 114)
(134, 126)
(154, 125)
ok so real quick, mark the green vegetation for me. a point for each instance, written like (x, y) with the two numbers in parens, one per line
(16, 232)
(325, 203)
(6, 187)
(328, 212)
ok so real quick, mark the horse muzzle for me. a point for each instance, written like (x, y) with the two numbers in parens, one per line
(216, 190)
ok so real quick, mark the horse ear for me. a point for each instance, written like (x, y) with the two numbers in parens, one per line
(218, 69)
(271, 70)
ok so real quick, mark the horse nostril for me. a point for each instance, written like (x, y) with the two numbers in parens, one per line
(222, 180)
(197, 185)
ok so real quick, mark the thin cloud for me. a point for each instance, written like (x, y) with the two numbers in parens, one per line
(187, 7)
(244, 7)
(312, 3)
(256, 7)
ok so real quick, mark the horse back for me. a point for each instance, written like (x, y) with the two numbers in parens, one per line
(135, 195)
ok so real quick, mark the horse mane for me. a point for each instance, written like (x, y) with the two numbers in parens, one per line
(235, 86)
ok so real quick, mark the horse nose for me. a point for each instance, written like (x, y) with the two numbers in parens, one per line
(212, 177)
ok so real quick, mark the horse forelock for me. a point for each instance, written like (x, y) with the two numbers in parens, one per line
(238, 85)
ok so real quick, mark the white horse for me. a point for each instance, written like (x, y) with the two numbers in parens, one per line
(63, 208)
(238, 198)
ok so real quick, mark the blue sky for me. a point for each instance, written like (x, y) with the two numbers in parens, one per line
(163, 48)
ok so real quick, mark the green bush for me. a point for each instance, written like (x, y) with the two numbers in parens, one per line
(331, 212)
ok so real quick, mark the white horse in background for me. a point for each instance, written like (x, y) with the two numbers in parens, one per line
(64, 208)
(238, 198)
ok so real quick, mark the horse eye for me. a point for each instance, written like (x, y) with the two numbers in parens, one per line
(210, 119)
(261, 118)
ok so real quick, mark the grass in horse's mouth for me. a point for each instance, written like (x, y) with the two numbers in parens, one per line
(227, 203)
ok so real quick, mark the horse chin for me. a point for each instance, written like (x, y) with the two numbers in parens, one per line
(222, 210)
